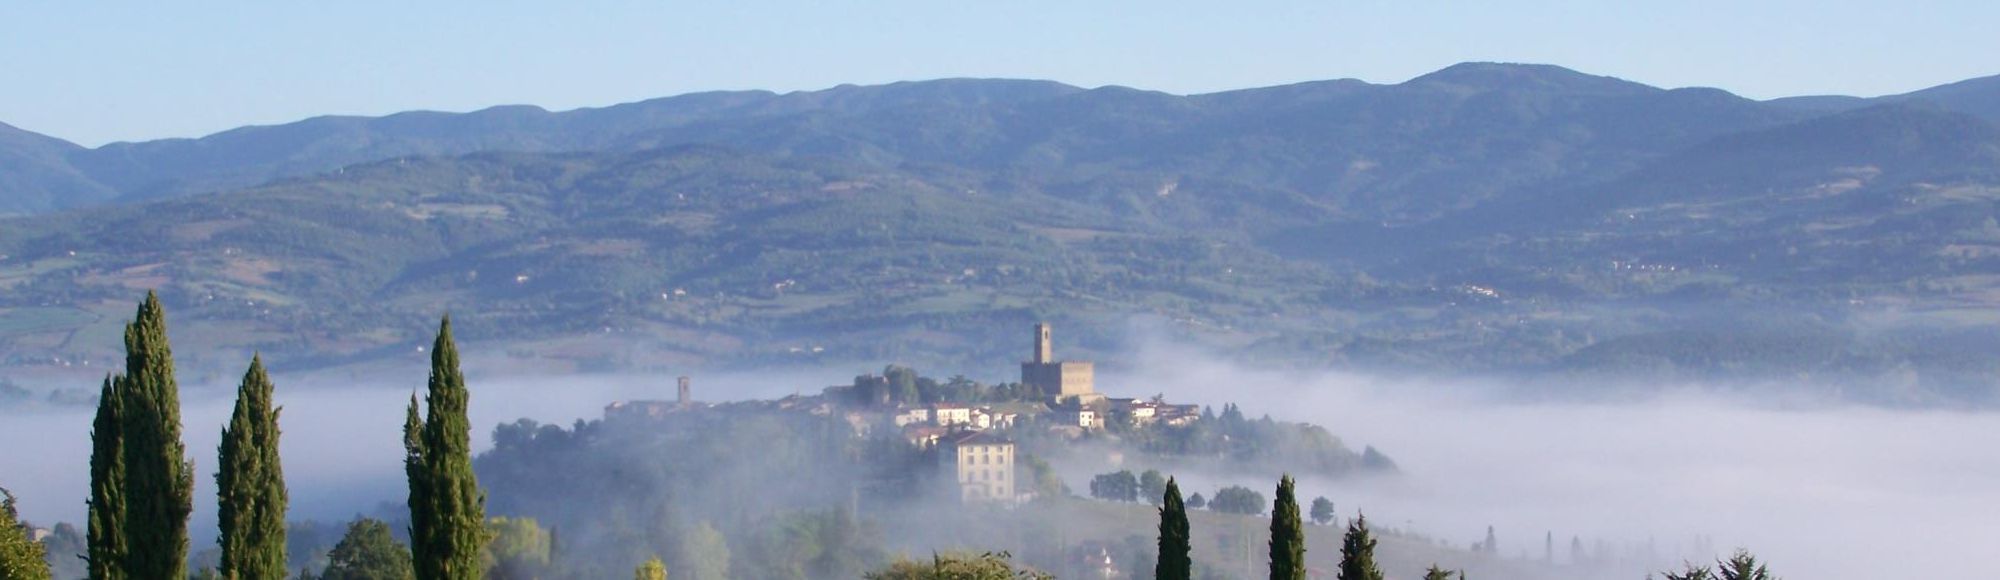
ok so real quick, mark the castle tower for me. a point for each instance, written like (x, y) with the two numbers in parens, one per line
(686, 393)
(1065, 380)
(1044, 352)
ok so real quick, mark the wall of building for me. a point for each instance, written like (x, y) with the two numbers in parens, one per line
(985, 472)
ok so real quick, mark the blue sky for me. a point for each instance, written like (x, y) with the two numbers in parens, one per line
(100, 71)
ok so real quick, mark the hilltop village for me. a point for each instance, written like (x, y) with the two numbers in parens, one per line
(968, 426)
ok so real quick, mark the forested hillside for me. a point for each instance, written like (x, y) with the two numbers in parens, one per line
(1485, 217)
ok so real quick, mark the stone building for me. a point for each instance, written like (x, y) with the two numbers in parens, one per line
(981, 464)
(1069, 381)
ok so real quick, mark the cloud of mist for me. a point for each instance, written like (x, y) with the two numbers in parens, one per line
(1822, 491)
(342, 433)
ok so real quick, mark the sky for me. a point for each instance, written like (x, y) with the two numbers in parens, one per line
(126, 70)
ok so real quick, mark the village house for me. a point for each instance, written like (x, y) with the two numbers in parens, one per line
(981, 464)
(1079, 417)
(946, 415)
(1137, 411)
(924, 435)
(1179, 415)
(911, 416)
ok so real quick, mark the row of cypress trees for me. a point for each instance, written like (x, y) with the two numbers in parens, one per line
(1287, 547)
(142, 485)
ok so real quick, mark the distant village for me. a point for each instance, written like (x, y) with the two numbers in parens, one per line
(967, 436)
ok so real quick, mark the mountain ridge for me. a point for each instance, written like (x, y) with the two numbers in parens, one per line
(248, 156)
(1491, 218)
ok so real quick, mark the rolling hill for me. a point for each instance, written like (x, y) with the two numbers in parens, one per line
(1483, 218)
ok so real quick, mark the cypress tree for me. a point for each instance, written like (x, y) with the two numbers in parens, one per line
(1357, 553)
(447, 508)
(1743, 566)
(1288, 535)
(1175, 543)
(250, 484)
(159, 481)
(105, 528)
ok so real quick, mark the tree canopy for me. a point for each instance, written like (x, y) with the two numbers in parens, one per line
(987, 566)
(21, 558)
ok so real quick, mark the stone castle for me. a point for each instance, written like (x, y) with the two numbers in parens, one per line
(1071, 382)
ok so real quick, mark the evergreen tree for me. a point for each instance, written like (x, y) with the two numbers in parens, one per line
(1175, 542)
(368, 552)
(447, 507)
(1357, 553)
(653, 569)
(105, 528)
(1152, 486)
(1743, 566)
(1322, 510)
(159, 481)
(1237, 499)
(250, 484)
(21, 558)
(1288, 535)
(1436, 573)
(1691, 572)
(417, 470)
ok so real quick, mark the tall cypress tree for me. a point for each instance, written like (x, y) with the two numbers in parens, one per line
(1357, 553)
(1288, 535)
(105, 528)
(1174, 563)
(250, 484)
(447, 508)
(418, 473)
(159, 481)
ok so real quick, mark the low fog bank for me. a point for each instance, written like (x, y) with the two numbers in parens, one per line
(1821, 490)
(342, 441)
